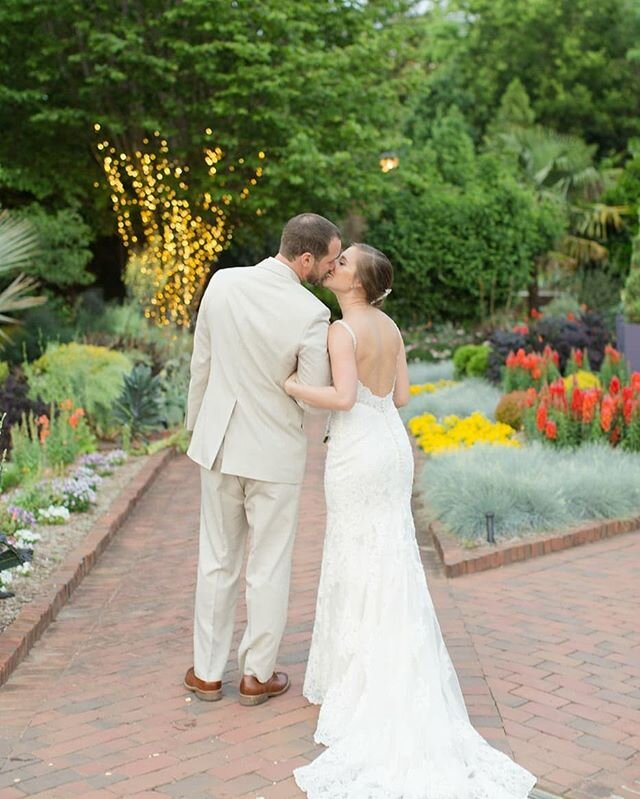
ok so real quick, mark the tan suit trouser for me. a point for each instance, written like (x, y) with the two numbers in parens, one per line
(231, 508)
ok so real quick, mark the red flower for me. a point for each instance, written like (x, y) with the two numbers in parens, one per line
(571, 317)
(635, 381)
(577, 399)
(511, 359)
(627, 408)
(614, 385)
(541, 416)
(551, 430)
(522, 329)
(606, 413)
(535, 313)
(578, 358)
(532, 396)
(558, 394)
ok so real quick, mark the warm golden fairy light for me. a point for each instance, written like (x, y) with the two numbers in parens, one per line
(181, 239)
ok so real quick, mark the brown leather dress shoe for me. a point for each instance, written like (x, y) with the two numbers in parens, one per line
(254, 692)
(209, 691)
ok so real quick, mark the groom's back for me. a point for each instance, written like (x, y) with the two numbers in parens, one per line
(258, 321)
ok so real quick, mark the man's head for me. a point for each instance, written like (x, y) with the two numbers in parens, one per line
(310, 244)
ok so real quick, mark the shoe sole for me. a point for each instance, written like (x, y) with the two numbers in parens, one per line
(249, 700)
(206, 696)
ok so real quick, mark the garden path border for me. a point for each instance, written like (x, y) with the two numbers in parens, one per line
(34, 618)
(458, 561)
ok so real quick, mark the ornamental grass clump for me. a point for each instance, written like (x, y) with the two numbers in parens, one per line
(423, 372)
(531, 489)
(461, 399)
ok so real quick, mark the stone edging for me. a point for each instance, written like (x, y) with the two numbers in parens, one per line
(34, 618)
(458, 561)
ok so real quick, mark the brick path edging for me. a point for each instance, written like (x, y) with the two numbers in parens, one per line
(34, 618)
(457, 561)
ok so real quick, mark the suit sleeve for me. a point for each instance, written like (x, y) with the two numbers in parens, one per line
(313, 358)
(200, 365)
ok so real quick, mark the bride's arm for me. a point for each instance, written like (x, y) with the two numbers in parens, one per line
(341, 396)
(401, 395)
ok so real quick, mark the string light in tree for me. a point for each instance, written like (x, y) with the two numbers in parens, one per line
(172, 240)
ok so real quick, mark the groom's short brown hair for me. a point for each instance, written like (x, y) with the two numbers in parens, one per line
(307, 233)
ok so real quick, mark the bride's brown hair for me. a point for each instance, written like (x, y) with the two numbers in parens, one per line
(375, 272)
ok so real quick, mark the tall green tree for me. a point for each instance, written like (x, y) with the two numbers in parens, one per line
(315, 85)
(577, 59)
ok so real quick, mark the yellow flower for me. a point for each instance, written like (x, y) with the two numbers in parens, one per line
(583, 380)
(456, 433)
(429, 388)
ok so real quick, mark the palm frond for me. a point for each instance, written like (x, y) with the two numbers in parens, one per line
(18, 242)
(596, 220)
(16, 297)
(584, 250)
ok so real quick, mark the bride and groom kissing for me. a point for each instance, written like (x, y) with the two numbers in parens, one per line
(392, 714)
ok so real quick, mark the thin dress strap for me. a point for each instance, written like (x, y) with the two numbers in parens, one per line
(350, 331)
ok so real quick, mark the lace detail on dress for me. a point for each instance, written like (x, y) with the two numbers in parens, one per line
(366, 397)
(408, 736)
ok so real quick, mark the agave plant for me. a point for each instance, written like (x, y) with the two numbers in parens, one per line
(18, 246)
(139, 404)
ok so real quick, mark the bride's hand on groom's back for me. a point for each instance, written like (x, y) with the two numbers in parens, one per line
(290, 383)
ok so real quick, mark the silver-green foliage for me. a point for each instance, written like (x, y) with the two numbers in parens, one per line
(423, 372)
(461, 400)
(531, 489)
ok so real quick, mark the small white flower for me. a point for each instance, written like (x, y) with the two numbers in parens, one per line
(54, 514)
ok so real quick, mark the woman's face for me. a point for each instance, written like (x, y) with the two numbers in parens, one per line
(344, 276)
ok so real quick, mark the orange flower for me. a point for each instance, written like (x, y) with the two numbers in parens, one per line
(66, 405)
(43, 420)
(606, 413)
(613, 353)
(551, 430)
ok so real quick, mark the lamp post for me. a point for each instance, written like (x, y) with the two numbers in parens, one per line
(389, 160)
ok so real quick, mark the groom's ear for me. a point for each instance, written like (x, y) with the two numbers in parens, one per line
(306, 261)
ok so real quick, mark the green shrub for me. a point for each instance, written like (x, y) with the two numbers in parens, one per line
(471, 360)
(4, 371)
(479, 362)
(562, 306)
(631, 297)
(89, 375)
(461, 358)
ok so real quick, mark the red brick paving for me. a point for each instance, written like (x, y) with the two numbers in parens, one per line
(548, 653)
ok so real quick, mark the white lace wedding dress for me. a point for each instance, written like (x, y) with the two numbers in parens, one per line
(393, 716)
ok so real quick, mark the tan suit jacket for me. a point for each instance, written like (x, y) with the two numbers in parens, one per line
(256, 325)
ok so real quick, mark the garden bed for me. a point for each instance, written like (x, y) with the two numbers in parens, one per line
(58, 540)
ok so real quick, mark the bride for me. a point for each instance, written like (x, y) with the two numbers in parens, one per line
(392, 716)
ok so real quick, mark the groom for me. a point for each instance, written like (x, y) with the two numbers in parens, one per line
(256, 325)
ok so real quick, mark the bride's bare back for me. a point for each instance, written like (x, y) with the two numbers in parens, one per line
(379, 352)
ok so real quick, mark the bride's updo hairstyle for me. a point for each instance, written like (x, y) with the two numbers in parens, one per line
(375, 272)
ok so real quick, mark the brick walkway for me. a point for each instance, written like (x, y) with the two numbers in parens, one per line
(548, 653)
